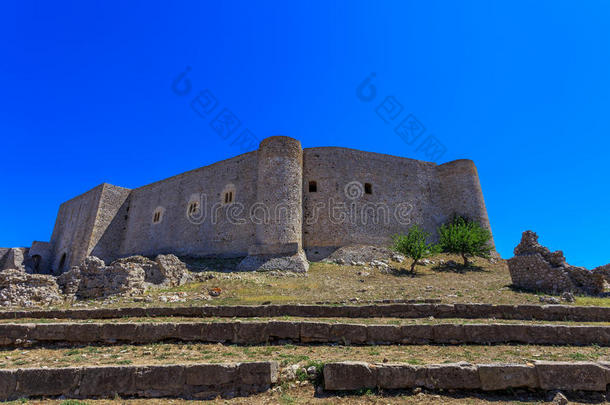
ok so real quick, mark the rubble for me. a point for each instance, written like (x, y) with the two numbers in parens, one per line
(535, 267)
(18, 288)
(127, 276)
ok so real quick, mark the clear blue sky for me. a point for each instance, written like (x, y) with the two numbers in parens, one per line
(520, 87)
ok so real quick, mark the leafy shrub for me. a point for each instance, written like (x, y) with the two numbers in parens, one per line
(414, 245)
(466, 238)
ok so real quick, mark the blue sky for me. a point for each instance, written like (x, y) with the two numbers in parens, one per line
(522, 88)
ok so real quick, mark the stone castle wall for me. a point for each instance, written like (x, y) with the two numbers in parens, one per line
(73, 228)
(403, 192)
(358, 198)
(175, 233)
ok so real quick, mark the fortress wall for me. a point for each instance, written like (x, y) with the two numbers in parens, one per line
(280, 177)
(396, 182)
(110, 223)
(214, 234)
(44, 250)
(460, 191)
(73, 229)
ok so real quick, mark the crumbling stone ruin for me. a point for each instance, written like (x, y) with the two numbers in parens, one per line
(534, 267)
(278, 207)
(92, 279)
(127, 276)
(18, 288)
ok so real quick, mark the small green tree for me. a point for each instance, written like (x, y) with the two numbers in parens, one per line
(465, 237)
(414, 245)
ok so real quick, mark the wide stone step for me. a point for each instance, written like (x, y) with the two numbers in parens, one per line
(195, 381)
(568, 376)
(467, 311)
(248, 333)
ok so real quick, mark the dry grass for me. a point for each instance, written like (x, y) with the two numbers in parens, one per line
(302, 395)
(330, 283)
(169, 353)
(485, 282)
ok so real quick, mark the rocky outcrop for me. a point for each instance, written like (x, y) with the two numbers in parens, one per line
(127, 276)
(18, 288)
(535, 267)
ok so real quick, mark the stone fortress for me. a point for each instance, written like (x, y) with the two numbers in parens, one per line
(277, 207)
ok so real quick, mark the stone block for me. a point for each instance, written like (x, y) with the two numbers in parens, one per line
(123, 332)
(258, 373)
(348, 334)
(48, 332)
(383, 334)
(396, 376)
(315, 332)
(107, 381)
(279, 330)
(83, 332)
(349, 375)
(46, 382)
(220, 332)
(482, 333)
(578, 376)
(8, 382)
(190, 331)
(156, 381)
(503, 376)
(448, 333)
(452, 376)
(251, 333)
(211, 374)
(156, 332)
(416, 334)
(9, 332)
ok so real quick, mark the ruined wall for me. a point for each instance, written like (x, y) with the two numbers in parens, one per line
(214, 233)
(534, 267)
(39, 257)
(401, 195)
(73, 229)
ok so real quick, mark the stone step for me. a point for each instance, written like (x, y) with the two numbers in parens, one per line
(12, 334)
(194, 381)
(568, 376)
(466, 311)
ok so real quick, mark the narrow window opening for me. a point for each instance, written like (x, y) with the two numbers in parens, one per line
(157, 217)
(313, 187)
(228, 197)
(193, 207)
(368, 188)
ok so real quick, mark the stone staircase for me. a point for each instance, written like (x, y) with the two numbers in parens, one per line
(447, 325)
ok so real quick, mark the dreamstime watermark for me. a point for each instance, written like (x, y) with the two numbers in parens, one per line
(355, 211)
(409, 129)
(225, 123)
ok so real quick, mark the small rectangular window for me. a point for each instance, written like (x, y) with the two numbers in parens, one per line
(368, 188)
(313, 187)
(228, 197)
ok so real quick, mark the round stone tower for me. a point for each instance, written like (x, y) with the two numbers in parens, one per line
(279, 208)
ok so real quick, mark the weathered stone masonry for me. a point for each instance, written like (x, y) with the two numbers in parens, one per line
(297, 186)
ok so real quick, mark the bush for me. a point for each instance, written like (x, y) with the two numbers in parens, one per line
(414, 245)
(466, 238)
